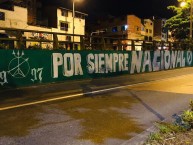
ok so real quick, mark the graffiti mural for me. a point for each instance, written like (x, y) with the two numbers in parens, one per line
(37, 74)
(3, 78)
(18, 67)
(30, 67)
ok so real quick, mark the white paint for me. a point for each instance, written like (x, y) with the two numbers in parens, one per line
(115, 60)
(147, 61)
(108, 63)
(183, 59)
(126, 61)
(136, 62)
(167, 59)
(3, 78)
(57, 61)
(173, 59)
(162, 60)
(78, 66)
(121, 62)
(101, 63)
(105, 63)
(179, 59)
(156, 63)
(14, 67)
(68, 65)
(37, 74)
(90, 64)
(96, 64)
(189, 58)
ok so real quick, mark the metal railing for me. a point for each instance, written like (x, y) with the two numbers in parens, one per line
(32, 39)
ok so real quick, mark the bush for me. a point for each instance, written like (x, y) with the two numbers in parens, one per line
(187, 116)
(183, 123)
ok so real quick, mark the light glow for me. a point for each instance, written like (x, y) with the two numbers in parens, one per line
(183, 4)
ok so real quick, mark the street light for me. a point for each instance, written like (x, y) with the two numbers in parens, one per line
(73, 15)
(191, 20)
(97, 32)
(183, 4)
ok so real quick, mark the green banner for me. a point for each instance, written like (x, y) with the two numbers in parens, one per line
(31, 67)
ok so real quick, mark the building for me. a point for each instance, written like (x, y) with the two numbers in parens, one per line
(134, 27)
(147, 29)
(59, 20)
(161, 33)
(127, 28)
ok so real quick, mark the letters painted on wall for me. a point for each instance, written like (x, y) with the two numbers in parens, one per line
(30, 67)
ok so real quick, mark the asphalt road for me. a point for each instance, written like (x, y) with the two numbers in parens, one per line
(107, 111)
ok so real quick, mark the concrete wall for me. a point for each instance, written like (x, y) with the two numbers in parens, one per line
(32, 67)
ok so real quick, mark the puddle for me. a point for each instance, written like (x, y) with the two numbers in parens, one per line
(18, 122)
(99, 117)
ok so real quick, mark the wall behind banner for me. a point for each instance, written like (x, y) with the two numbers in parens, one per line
(31, 67)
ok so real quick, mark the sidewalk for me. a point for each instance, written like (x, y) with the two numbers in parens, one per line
(48, 91)
(145, 112)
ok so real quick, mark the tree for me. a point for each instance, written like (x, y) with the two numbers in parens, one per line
(179, 24)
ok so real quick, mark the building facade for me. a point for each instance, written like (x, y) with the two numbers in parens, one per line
(147, 29)
(59, 20)
(128, 28)
(161, 33)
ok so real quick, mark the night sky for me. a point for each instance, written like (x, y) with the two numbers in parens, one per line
(99, 8)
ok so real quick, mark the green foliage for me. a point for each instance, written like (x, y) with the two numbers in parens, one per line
(191, 105)
(180, 23)
(183, 123)
(187, 116)
(166, 128)
(155, 136)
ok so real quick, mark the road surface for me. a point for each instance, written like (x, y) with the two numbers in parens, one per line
(107, 111)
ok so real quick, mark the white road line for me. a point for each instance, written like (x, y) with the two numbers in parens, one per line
(88, 93)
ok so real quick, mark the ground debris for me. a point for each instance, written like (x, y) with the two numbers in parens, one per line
(182, 138)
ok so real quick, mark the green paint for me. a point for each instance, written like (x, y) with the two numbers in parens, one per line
(32, 67)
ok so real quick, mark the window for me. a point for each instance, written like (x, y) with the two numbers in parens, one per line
(146, 38)
(138, 28)
(68, 38)
(2, 16)
(147, 30)
(114, 29)
(78, 15)
(124, 27)
(64, 13)
(150, 31)
(64, 26)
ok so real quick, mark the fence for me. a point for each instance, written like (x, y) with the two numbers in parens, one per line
(22, 65)
(31, 39)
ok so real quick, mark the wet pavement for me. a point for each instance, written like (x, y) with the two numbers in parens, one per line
(104, 118)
